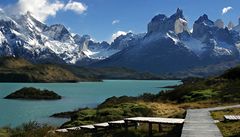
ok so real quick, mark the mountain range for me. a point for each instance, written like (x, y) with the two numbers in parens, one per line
(167, 46)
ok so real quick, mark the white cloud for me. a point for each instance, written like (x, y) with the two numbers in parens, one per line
(42, 9)
(77, 7)
(115, 22)
(226, 10)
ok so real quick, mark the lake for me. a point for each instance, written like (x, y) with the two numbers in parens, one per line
(75, 95)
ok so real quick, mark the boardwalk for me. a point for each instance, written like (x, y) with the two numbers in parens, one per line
(199, 123)
(127, 122)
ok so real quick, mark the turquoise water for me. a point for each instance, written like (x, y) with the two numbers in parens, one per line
(75, 95)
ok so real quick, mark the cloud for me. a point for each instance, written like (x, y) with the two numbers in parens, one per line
(42, 9)
(226, 10)
(77, 7)
(115, 22)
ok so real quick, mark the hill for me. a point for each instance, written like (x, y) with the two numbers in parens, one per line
(19, 70)
(112, 73)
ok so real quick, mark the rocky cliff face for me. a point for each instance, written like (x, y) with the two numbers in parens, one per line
(161, 23)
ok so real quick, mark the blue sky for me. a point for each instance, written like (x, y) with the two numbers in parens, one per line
(96, 20)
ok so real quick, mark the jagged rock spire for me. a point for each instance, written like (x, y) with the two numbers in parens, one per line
(162, 23)
(178, 14)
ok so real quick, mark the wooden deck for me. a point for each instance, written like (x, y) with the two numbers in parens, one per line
(232, 117)
(156, 120)
(198, 123)
(153, 120)
(127, 122)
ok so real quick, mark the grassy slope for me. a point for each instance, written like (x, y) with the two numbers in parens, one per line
(4, 132)
(223, 89)
(20, 70)
(111, 73)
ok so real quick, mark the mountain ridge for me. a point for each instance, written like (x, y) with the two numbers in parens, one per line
(168, 46)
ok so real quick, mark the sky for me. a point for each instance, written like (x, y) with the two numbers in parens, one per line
(106, 19)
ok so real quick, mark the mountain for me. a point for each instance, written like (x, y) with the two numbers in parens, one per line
(169, 45)
(24, 36)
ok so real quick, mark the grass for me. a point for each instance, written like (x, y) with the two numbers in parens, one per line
(228, 128)
(204, 104)
(123, 110)
(199, 95)
(4, 132)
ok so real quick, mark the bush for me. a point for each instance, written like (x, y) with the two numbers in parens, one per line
(31, 129)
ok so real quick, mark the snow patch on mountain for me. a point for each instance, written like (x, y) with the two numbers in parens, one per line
(223, 48)
(195, 45)
(174, 38)
(99, 54)
(2, 38)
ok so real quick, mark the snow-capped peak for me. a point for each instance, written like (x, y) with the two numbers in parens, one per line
(25, 36)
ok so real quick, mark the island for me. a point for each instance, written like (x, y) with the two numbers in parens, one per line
(30, 93)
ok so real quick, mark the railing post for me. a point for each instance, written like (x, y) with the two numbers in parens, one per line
(126, 126)
(150, 129)
(159, 127)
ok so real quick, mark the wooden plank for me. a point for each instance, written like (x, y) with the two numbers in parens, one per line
(167, 120)
(232, 117)
(156, 120)
(87, 127)
(116, 122)
(73, 128)
(101, 125)
(62, 130)
(138, 119)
